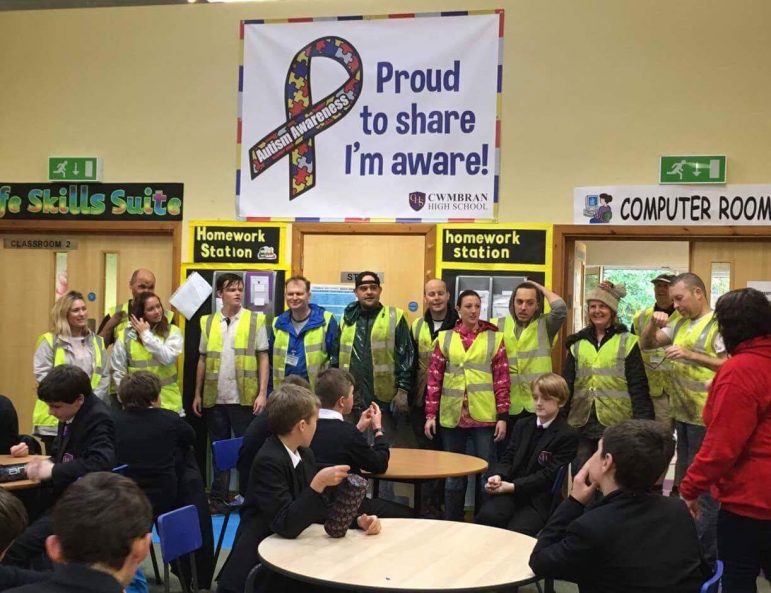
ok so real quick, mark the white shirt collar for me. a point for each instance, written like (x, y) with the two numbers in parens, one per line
(544, 424)
(295, 457)
(327, 414)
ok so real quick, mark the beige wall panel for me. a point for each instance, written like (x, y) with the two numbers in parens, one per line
(399, 257)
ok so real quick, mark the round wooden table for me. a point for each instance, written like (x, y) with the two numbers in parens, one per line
(19, 484)
(417, 465)
(407, 555)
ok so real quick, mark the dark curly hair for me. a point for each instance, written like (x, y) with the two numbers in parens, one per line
(741, 315)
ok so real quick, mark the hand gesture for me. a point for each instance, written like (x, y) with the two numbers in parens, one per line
(582, 490)
(677, 352)
(493, 484)
(20, 450)
(39, 469)
(329, 476)
(370, 524)
(377, 416)
(139, 324)
(660, 319)
(259, 403)
(500, 431)
(401, 405)
(197, 405)
(693, 507)
(365, 420)
(429, 429)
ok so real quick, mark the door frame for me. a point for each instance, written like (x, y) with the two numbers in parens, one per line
(301, 229)
(171, 229)
(566, 235)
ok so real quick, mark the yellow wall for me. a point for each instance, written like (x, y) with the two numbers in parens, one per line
(594, 91)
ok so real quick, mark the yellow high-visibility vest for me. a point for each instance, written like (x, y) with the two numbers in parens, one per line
(601, 379)
(529, 357)
(657, 368)
(138, 358)
(40, 415)
(689, 379)
(244, 346)
(382, 346)
(468, 372)
(314, 346)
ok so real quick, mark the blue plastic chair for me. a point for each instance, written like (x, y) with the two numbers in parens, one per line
(713, 584)
(225, 457)
(180, 534)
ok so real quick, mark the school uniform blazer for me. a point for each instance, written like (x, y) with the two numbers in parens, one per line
(340, 443)
(88, 447)
(636, 543)
(279, 499)
(533, 477)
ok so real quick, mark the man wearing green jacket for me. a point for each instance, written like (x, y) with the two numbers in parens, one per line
(376, 347)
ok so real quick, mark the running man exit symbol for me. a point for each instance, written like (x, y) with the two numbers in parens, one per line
(692, 169)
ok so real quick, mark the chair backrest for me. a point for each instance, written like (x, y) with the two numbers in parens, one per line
(179, 532)
(713, 584)
(225, 453)
(120, 469)
(556, 487)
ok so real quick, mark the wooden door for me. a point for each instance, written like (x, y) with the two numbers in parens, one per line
(28, 293)
(401, 259)
(746, 260)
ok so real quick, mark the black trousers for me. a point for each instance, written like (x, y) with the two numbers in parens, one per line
(510, 512)
(744, 546)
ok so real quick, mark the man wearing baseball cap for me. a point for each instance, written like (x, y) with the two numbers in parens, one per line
(376, 347)
(657, 368)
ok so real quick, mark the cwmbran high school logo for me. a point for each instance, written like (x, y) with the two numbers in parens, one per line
(417, 200)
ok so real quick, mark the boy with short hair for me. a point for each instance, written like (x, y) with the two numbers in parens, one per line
(13, 521)
(339, 442)
(85, 443)
(521, 484)
(101, 534)
(231, 381)
(630, 540)
(285, 493)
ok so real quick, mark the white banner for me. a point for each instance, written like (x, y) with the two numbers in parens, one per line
(398, 119)
(673, 205)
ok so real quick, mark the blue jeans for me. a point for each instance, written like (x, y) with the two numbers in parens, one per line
(224, 421)
(744, 545)
(689, 439)
(455, 440)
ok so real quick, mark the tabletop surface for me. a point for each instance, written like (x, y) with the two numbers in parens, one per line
(425, 464)
(20, 484)
(408, 555)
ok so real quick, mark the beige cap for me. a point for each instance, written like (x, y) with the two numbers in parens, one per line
(607, 293)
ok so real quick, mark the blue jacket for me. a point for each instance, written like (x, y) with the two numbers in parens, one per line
(316, 319)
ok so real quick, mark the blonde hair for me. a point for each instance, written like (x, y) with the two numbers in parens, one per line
(553, 386)
(60, 311)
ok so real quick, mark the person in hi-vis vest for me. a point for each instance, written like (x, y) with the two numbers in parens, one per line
(657, 368)
(605, 373)
(231, 381)
(695, 350)
(69, 342)
(305, 339)
(117, 319)
(376, 348)
(468, 388)
(529, 336)
(150, 344)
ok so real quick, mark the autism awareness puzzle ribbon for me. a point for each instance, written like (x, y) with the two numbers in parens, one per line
(306, 120)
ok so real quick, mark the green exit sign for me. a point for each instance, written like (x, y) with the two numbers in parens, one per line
(692, 169)
(74, 168)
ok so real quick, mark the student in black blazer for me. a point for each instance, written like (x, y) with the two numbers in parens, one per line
(285, 493)
(339, 442)
(520, 487)
(631, 540)
(85, 443)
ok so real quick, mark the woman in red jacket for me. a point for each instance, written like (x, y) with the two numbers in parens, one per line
(734, 460)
